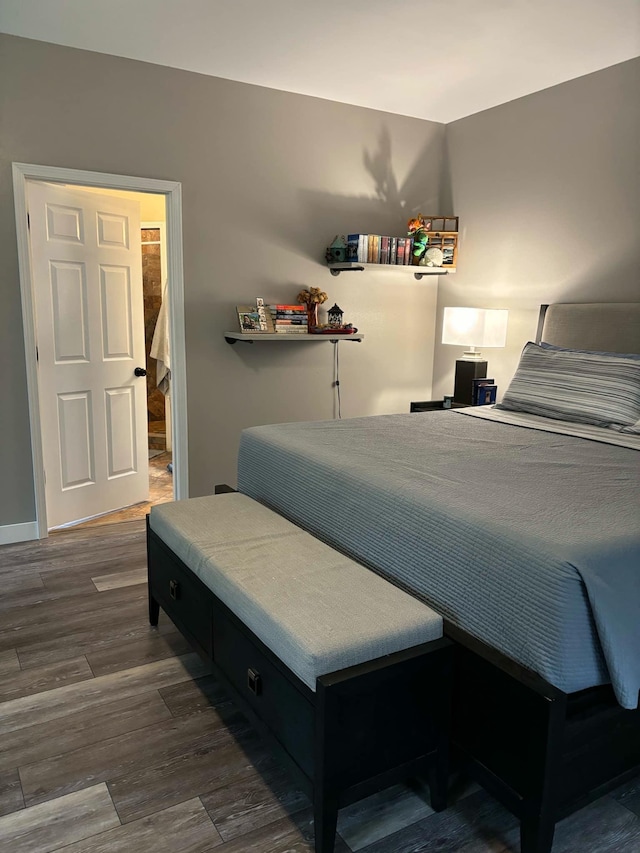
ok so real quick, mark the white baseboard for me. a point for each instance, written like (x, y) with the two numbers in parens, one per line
(10, 533)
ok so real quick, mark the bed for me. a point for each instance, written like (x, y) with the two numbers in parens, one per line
(519, 524)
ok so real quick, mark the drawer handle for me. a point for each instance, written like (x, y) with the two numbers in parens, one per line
(174, 590)
(254, 682)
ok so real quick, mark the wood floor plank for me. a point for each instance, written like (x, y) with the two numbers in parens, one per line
(254, 802)
(185, 828)
(22, 600)
(11, 799)
(292, 834)
(52, 704)
(40, 679)
(9, 662)
(381, 815)
(80, 626)
(73, 548)
(72, 581)
(150, 646)
(52, 615)
(107, 563)
(604, 826)
(105, 632)
(21, 582)
(194, 696)
(629, 795)
(50, 826)
(477, 824)
(115, 580)
(146, 753)
(206, 759)
(79, 729)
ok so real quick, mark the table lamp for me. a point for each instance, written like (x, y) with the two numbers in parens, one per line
(472, 327)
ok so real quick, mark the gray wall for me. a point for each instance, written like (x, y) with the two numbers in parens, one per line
(548, 193)
(268, 179)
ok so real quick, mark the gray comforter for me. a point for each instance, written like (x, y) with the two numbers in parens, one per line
(527, 539)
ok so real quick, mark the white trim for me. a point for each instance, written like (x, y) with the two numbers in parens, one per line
(22, 172)
(25, 532)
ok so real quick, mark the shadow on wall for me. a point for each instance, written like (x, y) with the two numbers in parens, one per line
(385, 210)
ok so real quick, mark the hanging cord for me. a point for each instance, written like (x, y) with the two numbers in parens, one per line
(336, 374)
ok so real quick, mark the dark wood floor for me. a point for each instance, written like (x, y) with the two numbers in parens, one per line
(114, 738)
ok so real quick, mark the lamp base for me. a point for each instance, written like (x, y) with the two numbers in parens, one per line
(466, 371)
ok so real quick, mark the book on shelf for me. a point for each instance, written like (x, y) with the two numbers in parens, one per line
(292, 330)
(483, 391)
(393, 250)
(352, 246)
(374, 243)
(363, 247)
(400, 250)
(384, 249)
(291, 322)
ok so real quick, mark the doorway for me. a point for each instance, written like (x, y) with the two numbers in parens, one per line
(97, 182)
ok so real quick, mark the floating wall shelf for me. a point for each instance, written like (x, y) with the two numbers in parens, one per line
(418, 272)
(232, 337)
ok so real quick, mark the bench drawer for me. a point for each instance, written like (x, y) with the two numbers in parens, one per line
(286, 712)
(181, 595)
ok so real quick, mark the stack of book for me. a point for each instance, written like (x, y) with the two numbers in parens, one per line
(378, 249)
(289, 319)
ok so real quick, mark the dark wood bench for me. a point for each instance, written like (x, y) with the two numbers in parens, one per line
(348, 676)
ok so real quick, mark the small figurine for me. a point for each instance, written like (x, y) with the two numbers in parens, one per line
(335, 317)
(418, 228)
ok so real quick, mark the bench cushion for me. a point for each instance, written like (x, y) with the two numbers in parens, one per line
(317, 610)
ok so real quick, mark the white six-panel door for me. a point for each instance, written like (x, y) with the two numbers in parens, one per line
(87, 282)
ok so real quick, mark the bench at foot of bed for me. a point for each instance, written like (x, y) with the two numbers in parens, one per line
(347, 675)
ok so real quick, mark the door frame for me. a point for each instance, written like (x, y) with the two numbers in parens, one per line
(172, 190)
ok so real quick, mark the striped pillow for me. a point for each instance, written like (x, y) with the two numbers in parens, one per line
(583, 387)
(634, 355)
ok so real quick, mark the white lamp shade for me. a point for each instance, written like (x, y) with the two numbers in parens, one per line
(475, 327)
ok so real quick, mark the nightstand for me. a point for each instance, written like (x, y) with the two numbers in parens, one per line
(431, 405)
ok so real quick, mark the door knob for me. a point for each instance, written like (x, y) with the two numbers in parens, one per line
(140, 371)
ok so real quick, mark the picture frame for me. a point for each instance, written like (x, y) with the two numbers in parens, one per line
(249, 319)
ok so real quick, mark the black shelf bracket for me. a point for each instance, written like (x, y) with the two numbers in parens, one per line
(346, 269)
(233, 341)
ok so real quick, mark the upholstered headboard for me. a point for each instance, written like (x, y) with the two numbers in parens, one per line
(597, 326)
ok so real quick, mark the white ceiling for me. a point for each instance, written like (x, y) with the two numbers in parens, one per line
(432, 59)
